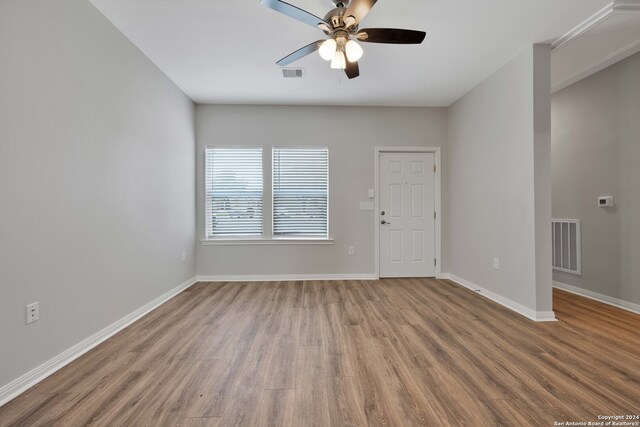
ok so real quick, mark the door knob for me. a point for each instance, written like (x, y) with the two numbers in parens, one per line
(383, 222)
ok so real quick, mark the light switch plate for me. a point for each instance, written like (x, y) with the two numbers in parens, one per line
(372, 193)
(366, 206)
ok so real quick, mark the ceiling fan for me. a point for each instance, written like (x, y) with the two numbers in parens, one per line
(341, 25)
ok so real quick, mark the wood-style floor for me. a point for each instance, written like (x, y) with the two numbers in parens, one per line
(354, 353)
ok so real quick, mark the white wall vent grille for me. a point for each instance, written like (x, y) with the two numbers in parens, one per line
(567, 253)
(293, 73)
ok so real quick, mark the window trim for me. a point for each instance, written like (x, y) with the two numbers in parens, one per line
(266, 241)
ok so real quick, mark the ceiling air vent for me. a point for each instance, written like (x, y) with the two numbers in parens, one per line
(293, 73)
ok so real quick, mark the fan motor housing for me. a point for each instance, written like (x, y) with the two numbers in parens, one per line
(335, 18)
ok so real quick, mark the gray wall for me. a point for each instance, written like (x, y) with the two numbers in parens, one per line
(96, 179)
(351, 135)
(497, 192)
(596, 149)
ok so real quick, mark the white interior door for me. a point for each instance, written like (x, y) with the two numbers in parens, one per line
(407, 214)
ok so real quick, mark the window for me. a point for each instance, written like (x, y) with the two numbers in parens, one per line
(234, 199)
(233, 182)
(300, 192)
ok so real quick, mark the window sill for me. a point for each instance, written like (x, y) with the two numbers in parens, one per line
(287, 241)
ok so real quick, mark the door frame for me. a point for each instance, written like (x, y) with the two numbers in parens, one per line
(438, 234)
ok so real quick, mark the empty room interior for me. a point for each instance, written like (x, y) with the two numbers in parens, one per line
(319, 213)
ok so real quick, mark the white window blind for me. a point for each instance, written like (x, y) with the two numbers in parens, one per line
(300, 192)
(233, 191)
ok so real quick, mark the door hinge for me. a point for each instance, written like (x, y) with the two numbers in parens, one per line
(434, 168)
(435, 262)
(434, 215)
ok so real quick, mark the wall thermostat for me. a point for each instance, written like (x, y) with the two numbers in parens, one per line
(605, 201)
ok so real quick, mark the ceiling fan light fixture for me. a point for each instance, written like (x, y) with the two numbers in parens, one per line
(354, 51)
(339, 62)
(341, 24)
(328, 49)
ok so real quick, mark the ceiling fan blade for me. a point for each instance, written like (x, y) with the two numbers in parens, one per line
(352, 70)
(294, 12)
(359, 8)
(390, 35)
(300, 53)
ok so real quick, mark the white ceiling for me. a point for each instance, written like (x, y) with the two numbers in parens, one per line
(225, 51)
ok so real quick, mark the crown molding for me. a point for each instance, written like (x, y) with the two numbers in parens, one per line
(617, 6)
(585, 25)
(626, 6)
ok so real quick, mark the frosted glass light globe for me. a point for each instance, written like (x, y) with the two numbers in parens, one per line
(354, 51)
(338, 62)
(328, 49)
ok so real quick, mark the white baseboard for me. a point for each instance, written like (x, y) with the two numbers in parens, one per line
(31, 378)
(285, 277)
(537, 316)
(606, 299)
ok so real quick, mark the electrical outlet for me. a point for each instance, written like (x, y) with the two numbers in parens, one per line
(184, 256)
(496, 263)
(352, 251)
(33, 312)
